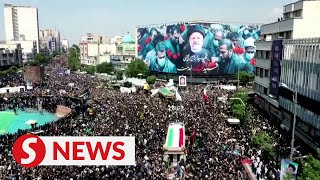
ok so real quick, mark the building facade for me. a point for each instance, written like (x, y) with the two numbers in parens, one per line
(96, 49)
(21, 24)
(64, 45)
(295, 67)
(50, 40)
(300, 73)
(125, 53)
(11, 57)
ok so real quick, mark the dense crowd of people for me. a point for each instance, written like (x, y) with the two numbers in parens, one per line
(211, 156)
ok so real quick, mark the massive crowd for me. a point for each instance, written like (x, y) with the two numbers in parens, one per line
(118, 114)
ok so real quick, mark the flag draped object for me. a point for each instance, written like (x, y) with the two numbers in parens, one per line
(175, 137)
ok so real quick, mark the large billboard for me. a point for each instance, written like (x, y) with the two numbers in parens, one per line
(204, 49)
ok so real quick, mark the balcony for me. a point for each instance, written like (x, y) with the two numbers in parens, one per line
(280, 26)
(263, 45)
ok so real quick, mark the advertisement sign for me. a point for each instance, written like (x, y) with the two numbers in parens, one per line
(182, 81)
(289, 169)
(276, 58)
(202, 49)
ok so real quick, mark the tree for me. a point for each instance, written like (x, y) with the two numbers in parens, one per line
(151, 79)
(239, 111)
(73, 58)
(311, 168)
(76, 47)
(12, 69)
(119, 75)
(264, 142)
(243, 95)
(137, 67)
(55, 53)
(41, 58)
(245, 77)
(105, 68)
(33, 63)
(89, 69)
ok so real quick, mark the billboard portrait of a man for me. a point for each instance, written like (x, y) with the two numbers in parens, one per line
(160, 62)
(196, 58)
(182, 81)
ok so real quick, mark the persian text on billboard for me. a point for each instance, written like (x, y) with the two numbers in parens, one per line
(200, 49)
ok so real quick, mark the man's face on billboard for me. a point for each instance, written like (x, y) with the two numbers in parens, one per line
(175, 37)
(236, 41)
(182, 81)
(224, 52)
(217, 38)
(196, 42)
(161, 58)
(153, 35)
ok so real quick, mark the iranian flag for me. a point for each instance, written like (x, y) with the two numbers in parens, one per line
(175, 137)
(205, 95)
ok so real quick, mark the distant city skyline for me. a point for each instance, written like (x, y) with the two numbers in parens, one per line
(76, 18)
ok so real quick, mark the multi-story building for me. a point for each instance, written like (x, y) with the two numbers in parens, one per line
(64, 45)
(96, 49)
(21, 24)
(49, 40)
(29, 48)
(125, 53)
(300, 83)
(11, 57)
(296, 17)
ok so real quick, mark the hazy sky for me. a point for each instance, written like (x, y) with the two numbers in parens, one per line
(74, 18)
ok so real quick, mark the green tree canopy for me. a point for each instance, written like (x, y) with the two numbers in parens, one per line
(242, 94)
(89, 69)
(12, 69)
(119, 75)
(245, 77)
(105, 68)
(264, 142)
(137, 67)
(40, 58)
(55, 53)
(311, 168)
(239, 111)
(151, 79)
(73, 58)
(76, 47)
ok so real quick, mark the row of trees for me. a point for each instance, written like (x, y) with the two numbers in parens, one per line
(238, 109)
(12, 69)
(73, 58)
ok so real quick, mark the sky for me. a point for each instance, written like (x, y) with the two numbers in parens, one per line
(75, 18)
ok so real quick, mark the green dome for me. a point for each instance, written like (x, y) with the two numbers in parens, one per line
(127, 39)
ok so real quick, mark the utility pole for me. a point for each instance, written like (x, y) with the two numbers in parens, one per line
(96, 62)
(294, 123)
(238, 77)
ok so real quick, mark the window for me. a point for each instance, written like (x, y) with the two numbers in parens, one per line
(266, 73)
(261, 73)
(257, 71)
(268, 55)
(265, 90)
(297, 13)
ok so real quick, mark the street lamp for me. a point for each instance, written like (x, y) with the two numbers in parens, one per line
(239, 100)
(295, 96)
